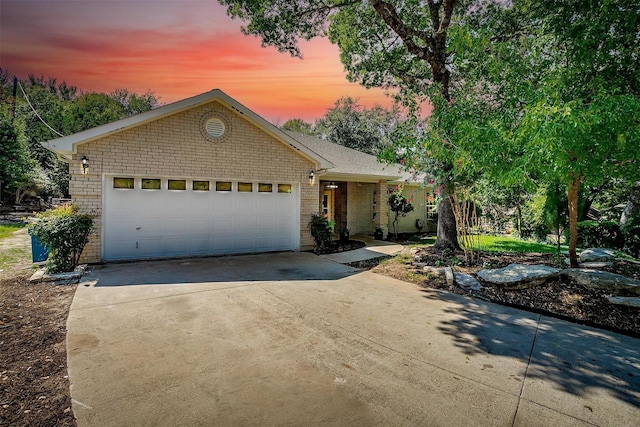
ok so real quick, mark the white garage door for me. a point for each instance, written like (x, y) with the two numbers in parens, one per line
(155, 218)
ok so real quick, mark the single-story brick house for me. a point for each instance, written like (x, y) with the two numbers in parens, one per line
(206, 176)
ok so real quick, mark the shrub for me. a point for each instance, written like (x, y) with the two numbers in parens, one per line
(603, 234)
(65, 233)
(631, 233)
(321, 231)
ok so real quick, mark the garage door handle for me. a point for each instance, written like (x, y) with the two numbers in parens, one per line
(138, 228)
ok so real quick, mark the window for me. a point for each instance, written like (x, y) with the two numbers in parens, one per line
(200, 185)
(265, 188)
(177, 184)
(123, 183)
(245, 187)
(150, 184)
(223, 186)
(284, 188)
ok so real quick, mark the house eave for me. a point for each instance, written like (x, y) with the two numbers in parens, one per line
(348, 177)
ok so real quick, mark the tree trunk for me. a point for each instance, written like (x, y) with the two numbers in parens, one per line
(447, 234)
(574, 188)
(519, 211)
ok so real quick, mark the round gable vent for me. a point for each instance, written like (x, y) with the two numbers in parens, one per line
(215, 127)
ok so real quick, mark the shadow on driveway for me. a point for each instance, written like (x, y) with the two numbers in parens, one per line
(576, 359)
(241, 268)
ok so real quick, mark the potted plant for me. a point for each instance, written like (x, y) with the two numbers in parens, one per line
(378, 234)
(344, 234)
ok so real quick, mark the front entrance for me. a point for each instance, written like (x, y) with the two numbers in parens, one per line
(334, 202)
(327, 204)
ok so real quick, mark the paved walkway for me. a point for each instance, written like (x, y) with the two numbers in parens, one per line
(296, 339)
(373, 249)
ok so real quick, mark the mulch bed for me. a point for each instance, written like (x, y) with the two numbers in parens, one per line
(341, 246)
(557, 297)
(34, 387)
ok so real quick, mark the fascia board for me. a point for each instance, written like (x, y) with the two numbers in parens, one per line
(274, 131)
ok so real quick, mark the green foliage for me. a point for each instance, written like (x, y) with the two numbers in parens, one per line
(321, 231)
(65, 233)
(400, 206)
(66, 111)
(364, 129)
(298, 125)
(16, 167)
(599, 234)
(631, 233)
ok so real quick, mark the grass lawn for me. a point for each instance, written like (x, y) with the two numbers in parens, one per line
(12, 256)
(498, 244)
(510, 244)
(7, 230)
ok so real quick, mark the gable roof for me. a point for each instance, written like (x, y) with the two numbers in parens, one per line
(66, 146)
(350, 164)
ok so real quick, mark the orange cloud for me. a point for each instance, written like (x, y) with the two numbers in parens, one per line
(175, 51)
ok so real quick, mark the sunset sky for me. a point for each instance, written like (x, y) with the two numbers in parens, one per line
(175, 48)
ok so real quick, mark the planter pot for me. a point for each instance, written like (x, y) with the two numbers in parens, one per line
(377, 235)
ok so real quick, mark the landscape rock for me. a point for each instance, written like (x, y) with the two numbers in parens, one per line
(467, 282)
(626, 301)
(597, 279)
(436, 271)
(595, 264)
(597, 255)
(60, 278)
(448, 274)
(519, 276)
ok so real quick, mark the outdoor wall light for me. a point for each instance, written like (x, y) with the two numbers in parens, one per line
(312, 174)
(85, 164)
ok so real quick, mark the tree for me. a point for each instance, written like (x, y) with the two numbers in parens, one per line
(17, 169)
(400, 206)
(298, 125)
(51, 109)
(391, 44)
(550, 94)
(584, 121)
(134, 103)
(364, 129)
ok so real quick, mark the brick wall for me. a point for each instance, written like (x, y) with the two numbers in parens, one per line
(417, 196)
(361, 208)
(175, 147)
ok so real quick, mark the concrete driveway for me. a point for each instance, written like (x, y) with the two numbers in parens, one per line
(296, 339)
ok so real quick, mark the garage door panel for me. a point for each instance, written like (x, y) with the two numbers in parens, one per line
(223, 244)
(175, 246)
(141, 224)
(200, 203)
(149, 247)
(200, 245)
(176, 225)
(151, 226)
(200, 225)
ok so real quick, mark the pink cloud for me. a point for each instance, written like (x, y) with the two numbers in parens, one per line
(177, 49)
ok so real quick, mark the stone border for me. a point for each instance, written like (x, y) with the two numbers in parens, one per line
(68, 278)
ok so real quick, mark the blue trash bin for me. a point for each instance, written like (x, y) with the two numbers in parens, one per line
(39, 252)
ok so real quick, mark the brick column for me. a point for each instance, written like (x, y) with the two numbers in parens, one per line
(381, 208)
